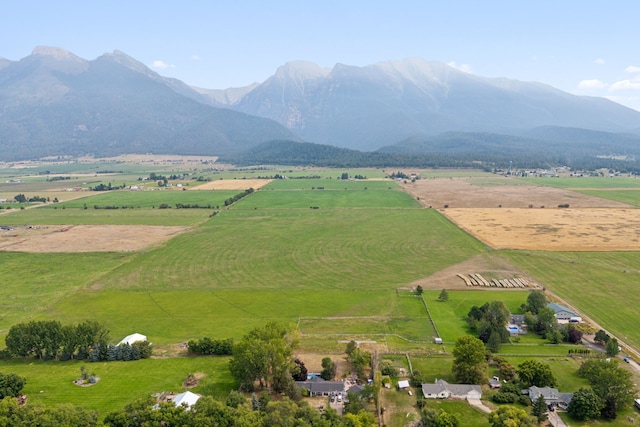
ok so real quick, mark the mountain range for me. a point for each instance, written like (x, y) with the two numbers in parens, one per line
(54, 103)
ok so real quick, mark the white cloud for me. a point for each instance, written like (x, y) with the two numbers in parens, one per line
(600, 61)
(161, 65)
(195, 57)
(462, 67)
(592, 84)
(626, 85)
(632, 69)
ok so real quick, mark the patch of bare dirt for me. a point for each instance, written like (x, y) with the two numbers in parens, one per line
(86, 238)
(485, 264)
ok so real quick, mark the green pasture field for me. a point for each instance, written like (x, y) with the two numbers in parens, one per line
(586, 182)
(175, 316)
(602, 285)
(444, 173)
(330, 184)
(150, 199)
(295, 172)
(406, 319)
(350, 249)
(630, 196)
(32, 283)
(90, 216)
(51, 383)
(450, 316)
(328, 199)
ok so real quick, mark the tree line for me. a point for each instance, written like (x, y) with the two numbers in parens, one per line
(50, 339)
(232, 200)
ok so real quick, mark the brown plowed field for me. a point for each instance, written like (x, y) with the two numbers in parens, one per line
(462, 193)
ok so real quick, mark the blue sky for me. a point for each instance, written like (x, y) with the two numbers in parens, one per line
(582, 47)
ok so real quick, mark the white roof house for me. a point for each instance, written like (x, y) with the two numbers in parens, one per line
(443, 390)
(187, 398)
(130, 339)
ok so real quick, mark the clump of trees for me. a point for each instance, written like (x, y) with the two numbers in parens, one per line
(611, 383)
(359, 359)
(11, 385)
(209, 346)
(489, 322)
(88, 340)
(328, 369)
(49, 339)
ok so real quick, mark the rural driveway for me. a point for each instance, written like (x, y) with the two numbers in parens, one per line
(555, 420)
(478, 404)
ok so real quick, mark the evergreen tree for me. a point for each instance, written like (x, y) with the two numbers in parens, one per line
(539, 409)
(444, 295)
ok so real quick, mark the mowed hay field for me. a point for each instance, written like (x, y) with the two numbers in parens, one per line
(248, 264)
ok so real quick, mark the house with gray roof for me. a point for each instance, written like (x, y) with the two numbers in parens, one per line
(441, 389)
(551, 396)
(319, 387)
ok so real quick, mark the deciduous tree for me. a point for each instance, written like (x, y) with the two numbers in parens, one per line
(470, 364)
(533, 372)
(584, 405)
(264, 355)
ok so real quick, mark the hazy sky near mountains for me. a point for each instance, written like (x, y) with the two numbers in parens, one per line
(580, 46)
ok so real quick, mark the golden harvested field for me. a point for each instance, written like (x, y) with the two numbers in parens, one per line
(556, 229)
(233, 184)
(85, 238)
(521, 216)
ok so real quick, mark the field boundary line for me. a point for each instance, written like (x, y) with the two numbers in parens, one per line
(430, 318)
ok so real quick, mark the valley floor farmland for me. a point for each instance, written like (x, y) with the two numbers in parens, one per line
(339, 262)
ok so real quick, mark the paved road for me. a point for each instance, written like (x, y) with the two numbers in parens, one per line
(633, 354)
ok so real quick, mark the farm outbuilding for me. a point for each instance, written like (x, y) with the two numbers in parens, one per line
(402, 384)
(130, 339)
(561, 312)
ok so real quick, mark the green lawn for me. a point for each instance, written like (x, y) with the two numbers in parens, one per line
(51, 383)
(468, 416)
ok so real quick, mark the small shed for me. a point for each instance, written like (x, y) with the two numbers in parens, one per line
(133, 338)
(402, 384)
